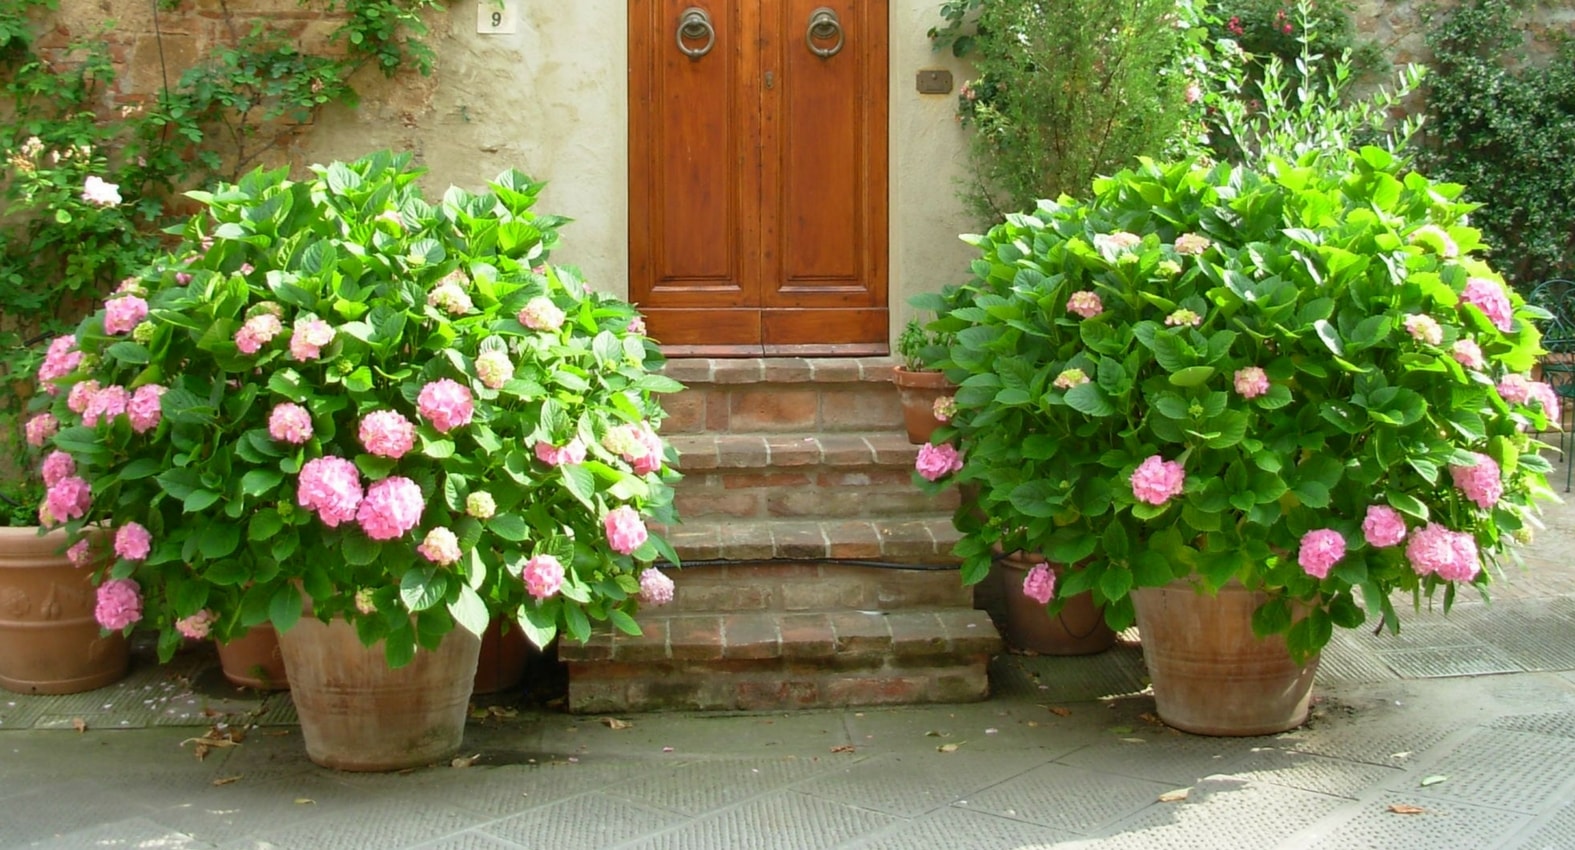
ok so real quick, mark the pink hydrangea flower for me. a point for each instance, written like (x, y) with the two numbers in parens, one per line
(655, 587)
(100, 192)
(144, 410)
(552, 455)
(80, 553)
(387, 434)
(106, 404)
(1451, 555)
(1488, 296)
(935, 462)
(1183, 317)
(1116, 243)
(446, 404)
(331, 486)
(392, 507)
(440, 546)
(1544, 395)
(1039, 584)
(365, 602)
(494, 368)
(1320, 549)
(309, 337)
(289, 422)
(61, 359)
(1468, 354)
(119, 604)
(40, 428)
(1383, 526)
(1069, 378)
(450, 297)
(1251, 382)
(257, 332)
(122, 313)
(132, 542)
(543, 576)
(944, 408)
(57, 466)
(68, 499)
(1515, 389)
(197, 625)
(1192, 244)
(540, 314)
(1481, 483)
(625, 530)
(1435, 237)
(480, 505)
(1156, 480)
(636, 325)
(1085, 303)
(1424, 328)
(81, 395)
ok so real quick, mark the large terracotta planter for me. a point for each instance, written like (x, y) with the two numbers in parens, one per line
(1078, 630)
(255, 660)
(501, 666)
(49, 641)
(919, 390)
(358, 714)
(1211, 675)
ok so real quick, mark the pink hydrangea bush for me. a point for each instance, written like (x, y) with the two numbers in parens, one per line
(384, 408)
(1329, 399)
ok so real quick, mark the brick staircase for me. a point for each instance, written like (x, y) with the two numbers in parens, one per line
(814, 572)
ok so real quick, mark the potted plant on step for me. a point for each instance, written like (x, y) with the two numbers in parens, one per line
(925, 391)
(1254, 402)
(391, 414)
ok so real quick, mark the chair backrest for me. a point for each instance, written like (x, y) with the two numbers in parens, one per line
(1557, 296)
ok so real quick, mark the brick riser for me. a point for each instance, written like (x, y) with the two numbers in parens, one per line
(793, 469)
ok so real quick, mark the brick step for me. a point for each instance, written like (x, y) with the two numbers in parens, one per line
(793, 395)
(922, 539)
(800, 587)
(858, 474)
(770, 660)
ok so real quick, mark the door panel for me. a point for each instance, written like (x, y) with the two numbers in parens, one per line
(758, 178)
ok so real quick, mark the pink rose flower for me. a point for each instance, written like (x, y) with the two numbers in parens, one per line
(494, 368)
(935, 462)
(440, 546)
(1039, 584)
(1468, 354)
(121, 314)
(385, 433)
(1085, 303)
(68, 499)
(1451, 555)
(81, 395)
(119, 604)
(1424, 328)
(100, 192)
(331, 486)
(132, 542)
(1320, 549)
(1252, 382)
(655, 587)
(392, 507)
(40, 428)
(309, 337)
(60, 360)
(1156, 480)
(144, 410)
(106, 404)
(446, 404)
(625, 530)
(1488, 296)
(1481, 483)
(289, 422)
(543, 575)
(57, 466)
(1383, 526)
(197, 625)
(540, 314)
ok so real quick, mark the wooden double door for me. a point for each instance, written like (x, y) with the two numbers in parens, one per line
(758, 175)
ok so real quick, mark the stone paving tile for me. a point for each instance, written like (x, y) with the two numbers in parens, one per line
(785, 821)
(377, 823)
(130, 834)
(1221, 812)
(52, 808)
(1516, 771)
(957, 829)
(913, 784)
(1067, 798)
(1307, 772)
(1070, 679)
(1478, 659)
(1555, 831)
(223, 815)
(470, 841)
(1559, 723)
(587, 822)
(694, 788)
(989, 726)
(1441, 826)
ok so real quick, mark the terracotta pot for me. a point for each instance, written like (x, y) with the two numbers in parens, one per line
(501, 666)
(255, 660)
(1211, 675)
(49, 641)
(358, 714)
(1078, 630)
(919, 390)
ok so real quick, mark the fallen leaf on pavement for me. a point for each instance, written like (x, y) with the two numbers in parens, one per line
(1433, 780)
(947, 748)
(305, 801)
(226, 780)
(1058, 711)
(1174, 796)
(1406, 809)
(843, 748)
(79, 724)
(615, 723)
(464, 761)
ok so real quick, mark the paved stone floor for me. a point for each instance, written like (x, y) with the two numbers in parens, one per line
(1458, 734)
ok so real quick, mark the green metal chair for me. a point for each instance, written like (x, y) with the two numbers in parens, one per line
(1557, 296)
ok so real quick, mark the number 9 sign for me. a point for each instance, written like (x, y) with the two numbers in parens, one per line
(496, 17)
